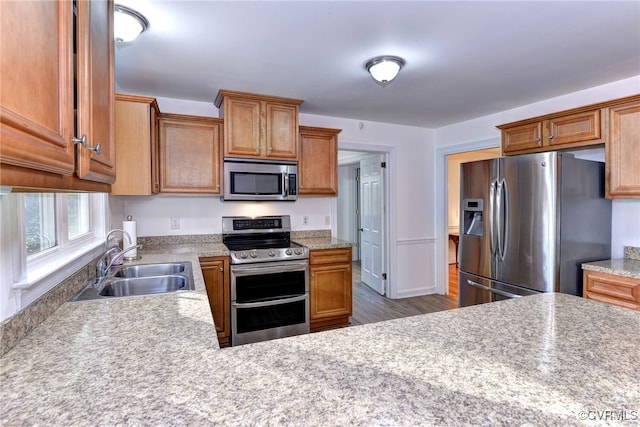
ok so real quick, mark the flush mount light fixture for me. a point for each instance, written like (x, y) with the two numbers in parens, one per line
(128, 24)
(384, 69)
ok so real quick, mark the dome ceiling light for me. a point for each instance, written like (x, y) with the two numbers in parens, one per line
(384, 69)
(128, 24)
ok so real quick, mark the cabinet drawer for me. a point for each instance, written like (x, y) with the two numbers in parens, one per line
(329, 256)
(612, 289)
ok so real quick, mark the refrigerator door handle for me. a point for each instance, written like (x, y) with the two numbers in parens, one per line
(492, 290)
(499, 218)
(504, 218)
(492, 216)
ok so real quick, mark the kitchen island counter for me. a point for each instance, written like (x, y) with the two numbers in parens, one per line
(548, 359)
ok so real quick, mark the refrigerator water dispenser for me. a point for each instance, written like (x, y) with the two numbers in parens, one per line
(472, 212)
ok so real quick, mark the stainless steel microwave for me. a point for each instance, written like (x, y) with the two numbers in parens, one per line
(260, 180)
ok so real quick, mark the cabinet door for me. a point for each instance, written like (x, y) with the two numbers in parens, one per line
(95, 80)
(281, 131)
(616, 290)
(136, 146)
(189, 154)
(242, 127)
(623, 151)
(215, 271)
(575, 129)
(318, 167)
(522, 138)
(330, 287)
(36, 77)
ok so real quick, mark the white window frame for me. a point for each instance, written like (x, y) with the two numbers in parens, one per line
(41, 272)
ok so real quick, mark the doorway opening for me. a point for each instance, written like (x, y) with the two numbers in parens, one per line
(362, 214)
(453, 210)
(447, 219)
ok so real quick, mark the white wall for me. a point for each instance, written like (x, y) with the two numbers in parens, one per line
(482, 133)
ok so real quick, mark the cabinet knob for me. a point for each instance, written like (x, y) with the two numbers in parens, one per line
(85, 143)
(551, 137)
(270, 148)
(221, 269)
(538, 139)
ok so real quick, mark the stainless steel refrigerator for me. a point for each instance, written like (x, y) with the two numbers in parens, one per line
(527, 223)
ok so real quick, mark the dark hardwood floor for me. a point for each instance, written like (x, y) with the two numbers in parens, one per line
(370, 307)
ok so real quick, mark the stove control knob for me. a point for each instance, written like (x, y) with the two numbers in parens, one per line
(288, 252)
(298, 251)
(272, 253)
(253, 254)
(243, 255)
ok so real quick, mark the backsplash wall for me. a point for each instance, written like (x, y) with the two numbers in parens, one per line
(203, 214)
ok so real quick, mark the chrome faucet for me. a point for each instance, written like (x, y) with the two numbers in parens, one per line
(102, 272)
(124, 233)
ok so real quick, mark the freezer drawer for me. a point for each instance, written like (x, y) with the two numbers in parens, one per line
(474, 289)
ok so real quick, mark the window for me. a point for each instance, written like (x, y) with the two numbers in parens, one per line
(45, 238)
(55, 222)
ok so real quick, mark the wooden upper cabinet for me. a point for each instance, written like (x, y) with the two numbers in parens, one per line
(318, 166)
(95, 77)
(565, 130)
(37, 94)
(623, 151)
(136, 136)
(259, 126)
(189, 154)
(36, 86)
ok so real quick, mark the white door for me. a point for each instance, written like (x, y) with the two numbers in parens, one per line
(372, 215)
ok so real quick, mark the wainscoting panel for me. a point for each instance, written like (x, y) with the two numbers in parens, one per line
(416, 270)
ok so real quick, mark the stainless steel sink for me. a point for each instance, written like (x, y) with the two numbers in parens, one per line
(144, 286)
(146, 270)
(142, 279)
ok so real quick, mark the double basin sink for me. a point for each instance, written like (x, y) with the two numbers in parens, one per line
(141, 279)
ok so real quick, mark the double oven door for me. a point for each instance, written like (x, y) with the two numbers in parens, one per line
(269, 300)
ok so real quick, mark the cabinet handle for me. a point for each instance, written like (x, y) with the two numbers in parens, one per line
(538, 139)
(551, 137)
(84, 142)
(221, 269)
(259, 148)
(270, 148)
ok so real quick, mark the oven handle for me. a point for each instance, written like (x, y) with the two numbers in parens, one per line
(492, 290)
(269, 267)
(268, 303)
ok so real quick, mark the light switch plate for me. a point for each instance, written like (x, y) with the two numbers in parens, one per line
(175, 222)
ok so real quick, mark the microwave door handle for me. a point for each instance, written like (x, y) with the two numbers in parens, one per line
(285, 184)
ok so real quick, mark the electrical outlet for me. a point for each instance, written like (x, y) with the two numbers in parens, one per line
(327, 220)
(305, 220)
(175, 222)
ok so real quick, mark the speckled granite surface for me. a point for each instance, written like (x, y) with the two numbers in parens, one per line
(549, 359)
(323, 242)
(629, 266)
(632, 252)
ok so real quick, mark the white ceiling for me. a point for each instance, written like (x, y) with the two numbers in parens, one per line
(463, 59)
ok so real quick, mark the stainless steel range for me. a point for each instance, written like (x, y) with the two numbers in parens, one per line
(269, 279)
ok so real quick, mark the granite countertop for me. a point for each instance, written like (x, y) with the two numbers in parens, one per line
(620, 267)
(548, 359)
(323, 243)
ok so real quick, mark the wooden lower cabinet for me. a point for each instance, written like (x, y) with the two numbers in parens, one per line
(612, 289)
(215, 271)
(330, 288)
